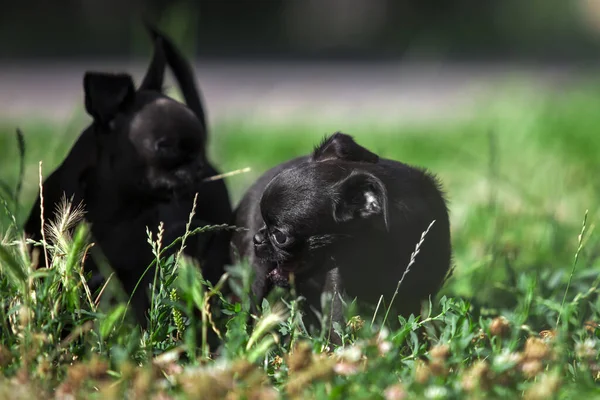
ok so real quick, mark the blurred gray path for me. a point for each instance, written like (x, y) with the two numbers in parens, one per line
(288, 90)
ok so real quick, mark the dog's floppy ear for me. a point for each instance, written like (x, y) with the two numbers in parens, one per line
(342, 147)
(361, 195)
(107, 94)
(156, 71)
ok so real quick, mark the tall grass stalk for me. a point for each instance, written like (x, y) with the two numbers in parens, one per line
(41, 184)
(575, 259)
(413, 257)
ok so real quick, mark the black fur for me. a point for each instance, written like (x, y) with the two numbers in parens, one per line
(140, 162)
(344, 219)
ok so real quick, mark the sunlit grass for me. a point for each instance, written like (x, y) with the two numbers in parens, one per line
(518, 317)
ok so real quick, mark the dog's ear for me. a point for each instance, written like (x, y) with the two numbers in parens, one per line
(342, 147)
(156, 71)
(361, 195)
(107, 94)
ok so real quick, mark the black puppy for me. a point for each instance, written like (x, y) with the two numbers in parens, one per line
(141, 162)
(345, 221)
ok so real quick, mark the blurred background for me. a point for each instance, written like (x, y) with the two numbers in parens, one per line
(312, 29)
(414, 58)
(499, 98)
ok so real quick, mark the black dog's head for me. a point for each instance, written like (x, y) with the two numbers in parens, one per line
(310, 209)
(148, 142)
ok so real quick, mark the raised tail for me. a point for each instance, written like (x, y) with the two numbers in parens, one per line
(156, 71)
(184, 74)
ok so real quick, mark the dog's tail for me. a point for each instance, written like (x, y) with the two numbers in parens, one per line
(183, 72)
(156, 71)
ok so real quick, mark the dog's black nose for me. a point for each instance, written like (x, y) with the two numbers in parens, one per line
(259, 239)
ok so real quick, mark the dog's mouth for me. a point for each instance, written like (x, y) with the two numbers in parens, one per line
(280, 275)
(181, 181)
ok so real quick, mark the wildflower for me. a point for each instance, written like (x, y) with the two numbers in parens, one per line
(161, 396)
(276, 362)
(127, 370)
(586, 349)
(355, 323)
(436, 392)
(345, 368)
(544, 388)
(500, 327)
(440, 352)
(300, 357)
(536, 349)
(5, 357)
(384, 347)
(263, 393)
(422, 372)
(395, 392)
(478, 376)
(318, 371)
(531, 368)
(97, 368)
(479, 336)
(591, 326)
(76, 374)
(44, 368)
(242, 368)
(383, 333)
(24, 316)
(65, 391)
(507, 359)
(595, 368)
(142, 383)
(548, 335)
(351, 353)
(438, 367)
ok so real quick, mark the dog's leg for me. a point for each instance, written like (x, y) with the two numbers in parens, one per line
(333, 286)
(261, 285)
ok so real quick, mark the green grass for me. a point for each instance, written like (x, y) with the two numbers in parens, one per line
(517, 318)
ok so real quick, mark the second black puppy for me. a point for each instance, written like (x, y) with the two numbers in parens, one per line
(138, 164)
(345, 221)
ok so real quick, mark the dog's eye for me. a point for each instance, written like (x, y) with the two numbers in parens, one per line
(280, 237)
